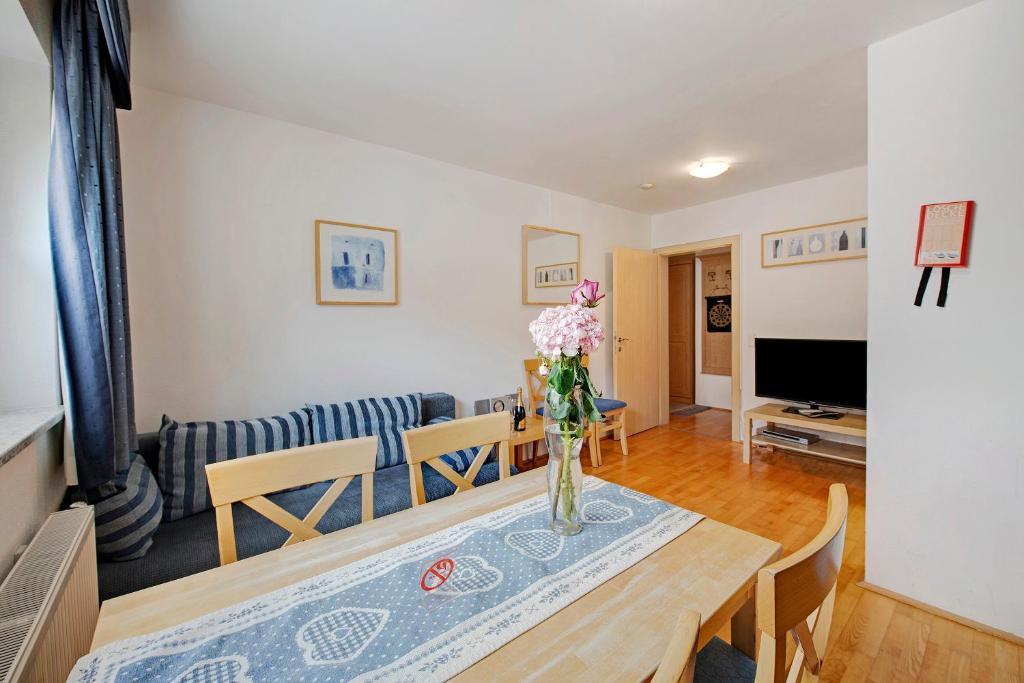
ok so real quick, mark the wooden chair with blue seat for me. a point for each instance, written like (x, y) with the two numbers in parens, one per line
(614, 411)
(794, 596)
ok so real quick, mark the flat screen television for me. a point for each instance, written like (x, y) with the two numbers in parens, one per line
(827, 372)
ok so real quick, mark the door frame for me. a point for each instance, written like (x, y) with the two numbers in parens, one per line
(733, 242)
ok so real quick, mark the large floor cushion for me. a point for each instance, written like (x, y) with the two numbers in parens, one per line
(385, 418)
(189, 545)
(127, 518)
(187, 447)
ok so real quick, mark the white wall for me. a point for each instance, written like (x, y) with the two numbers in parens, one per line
(219, 211)
(714, 391)
(823, 300)
(31, 487)
(945, 522)
(28, 355)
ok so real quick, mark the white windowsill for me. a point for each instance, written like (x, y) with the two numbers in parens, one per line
(19, 428)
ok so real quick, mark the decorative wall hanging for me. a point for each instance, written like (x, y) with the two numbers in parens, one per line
(716, 338)
(815, 243)
(943, 236)
(356, 264)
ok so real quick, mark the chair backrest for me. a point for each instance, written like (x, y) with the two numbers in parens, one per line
(536, 383)
(677, 665)
(796, 595)
(426, 445)
(248, 480)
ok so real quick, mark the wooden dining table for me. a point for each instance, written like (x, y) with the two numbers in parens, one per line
(619, 631)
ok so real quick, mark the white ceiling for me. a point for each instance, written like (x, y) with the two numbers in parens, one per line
(590, 97)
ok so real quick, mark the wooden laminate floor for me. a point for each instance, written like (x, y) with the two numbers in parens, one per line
(692, 463)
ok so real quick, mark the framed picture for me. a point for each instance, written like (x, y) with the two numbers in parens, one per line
(815, 243)
(356, 264)
(943, 234)
(557, 275)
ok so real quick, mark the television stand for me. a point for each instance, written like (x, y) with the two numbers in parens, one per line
(777, 413)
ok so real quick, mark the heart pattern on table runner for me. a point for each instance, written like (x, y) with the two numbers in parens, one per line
(472, 574)
(539, 544)
(341, 635)
(372, 621)
(637, 496)
(232, 669)
(605, 512)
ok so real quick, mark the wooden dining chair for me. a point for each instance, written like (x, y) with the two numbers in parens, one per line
(426, 445)
(677, 666)
(248, 480)
(795, 595)
(614, 411)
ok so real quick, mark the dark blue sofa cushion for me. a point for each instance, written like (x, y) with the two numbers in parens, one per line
(186, 448)
(188, 546)
(385, 418)
(127, 518)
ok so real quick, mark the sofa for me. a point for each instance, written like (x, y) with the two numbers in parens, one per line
(188, 546)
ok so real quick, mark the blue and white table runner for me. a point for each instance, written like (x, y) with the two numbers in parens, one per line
(371, 620)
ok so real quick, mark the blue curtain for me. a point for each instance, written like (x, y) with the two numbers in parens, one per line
(90, 79)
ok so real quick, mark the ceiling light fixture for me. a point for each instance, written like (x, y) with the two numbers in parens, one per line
(708, 169)
(647, 186)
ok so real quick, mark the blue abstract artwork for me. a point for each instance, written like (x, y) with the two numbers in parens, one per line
(357, 263)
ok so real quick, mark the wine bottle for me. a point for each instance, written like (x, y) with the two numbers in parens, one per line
(519, 413)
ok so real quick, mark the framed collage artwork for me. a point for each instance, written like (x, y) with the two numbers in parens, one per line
(815, 243)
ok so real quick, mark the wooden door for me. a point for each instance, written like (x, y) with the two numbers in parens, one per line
(680, 330)
(635, 305)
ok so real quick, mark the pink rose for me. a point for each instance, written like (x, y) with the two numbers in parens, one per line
(585, 294)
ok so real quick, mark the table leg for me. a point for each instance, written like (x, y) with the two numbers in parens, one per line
(743, 628)
(517, 457)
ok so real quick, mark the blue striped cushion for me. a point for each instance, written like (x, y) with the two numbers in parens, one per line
(127, 520)
(460, 460)
(187, 447)
(385, 418)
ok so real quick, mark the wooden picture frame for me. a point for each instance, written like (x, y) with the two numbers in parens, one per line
(836, 241)
(529, 271)
(363, 265)
(572, 267)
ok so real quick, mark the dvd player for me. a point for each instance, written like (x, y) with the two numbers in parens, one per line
(792, 435)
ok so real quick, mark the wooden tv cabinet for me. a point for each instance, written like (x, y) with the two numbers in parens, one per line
(772, 413)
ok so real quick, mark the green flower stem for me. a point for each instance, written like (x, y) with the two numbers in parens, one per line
(568, 493)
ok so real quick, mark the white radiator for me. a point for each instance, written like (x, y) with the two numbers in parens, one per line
(49, 602)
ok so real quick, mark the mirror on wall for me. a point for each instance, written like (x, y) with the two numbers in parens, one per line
(551, 265)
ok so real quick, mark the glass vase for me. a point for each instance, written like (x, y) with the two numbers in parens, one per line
(564, 439)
